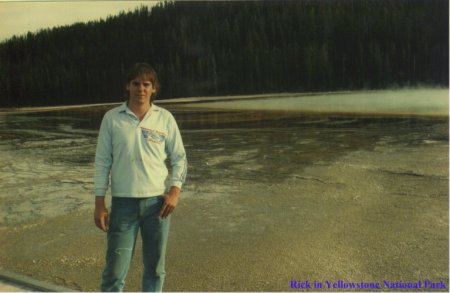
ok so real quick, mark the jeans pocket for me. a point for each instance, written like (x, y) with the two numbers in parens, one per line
(161, 198)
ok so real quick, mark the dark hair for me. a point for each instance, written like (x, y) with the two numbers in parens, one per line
(144, 69)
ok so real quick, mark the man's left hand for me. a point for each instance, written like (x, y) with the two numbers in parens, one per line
(170, 202)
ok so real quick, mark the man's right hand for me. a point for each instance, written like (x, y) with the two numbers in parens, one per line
(101, 216)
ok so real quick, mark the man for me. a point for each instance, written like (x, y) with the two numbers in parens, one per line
(133, 143)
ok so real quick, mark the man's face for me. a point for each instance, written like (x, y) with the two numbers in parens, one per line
(140, 90)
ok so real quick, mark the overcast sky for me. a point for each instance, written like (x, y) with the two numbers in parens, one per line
(19, 17)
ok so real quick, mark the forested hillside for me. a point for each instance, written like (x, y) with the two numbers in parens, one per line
(222, 48)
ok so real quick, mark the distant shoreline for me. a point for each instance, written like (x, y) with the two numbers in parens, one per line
(21, 110)
(320, 102)
(30, 109)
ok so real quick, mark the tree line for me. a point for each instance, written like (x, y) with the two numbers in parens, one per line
(232, 47)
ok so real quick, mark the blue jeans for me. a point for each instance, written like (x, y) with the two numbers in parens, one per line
(127, 216)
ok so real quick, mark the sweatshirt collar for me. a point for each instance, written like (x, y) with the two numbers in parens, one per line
(124, 108)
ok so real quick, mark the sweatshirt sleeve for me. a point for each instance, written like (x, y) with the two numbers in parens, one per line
(103, 157)
(176, 153)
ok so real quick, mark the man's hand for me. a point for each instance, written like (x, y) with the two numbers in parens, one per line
(170, 202)
(101, 216)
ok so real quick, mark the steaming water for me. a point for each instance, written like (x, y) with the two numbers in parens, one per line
(46, 158)
(392, 102)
